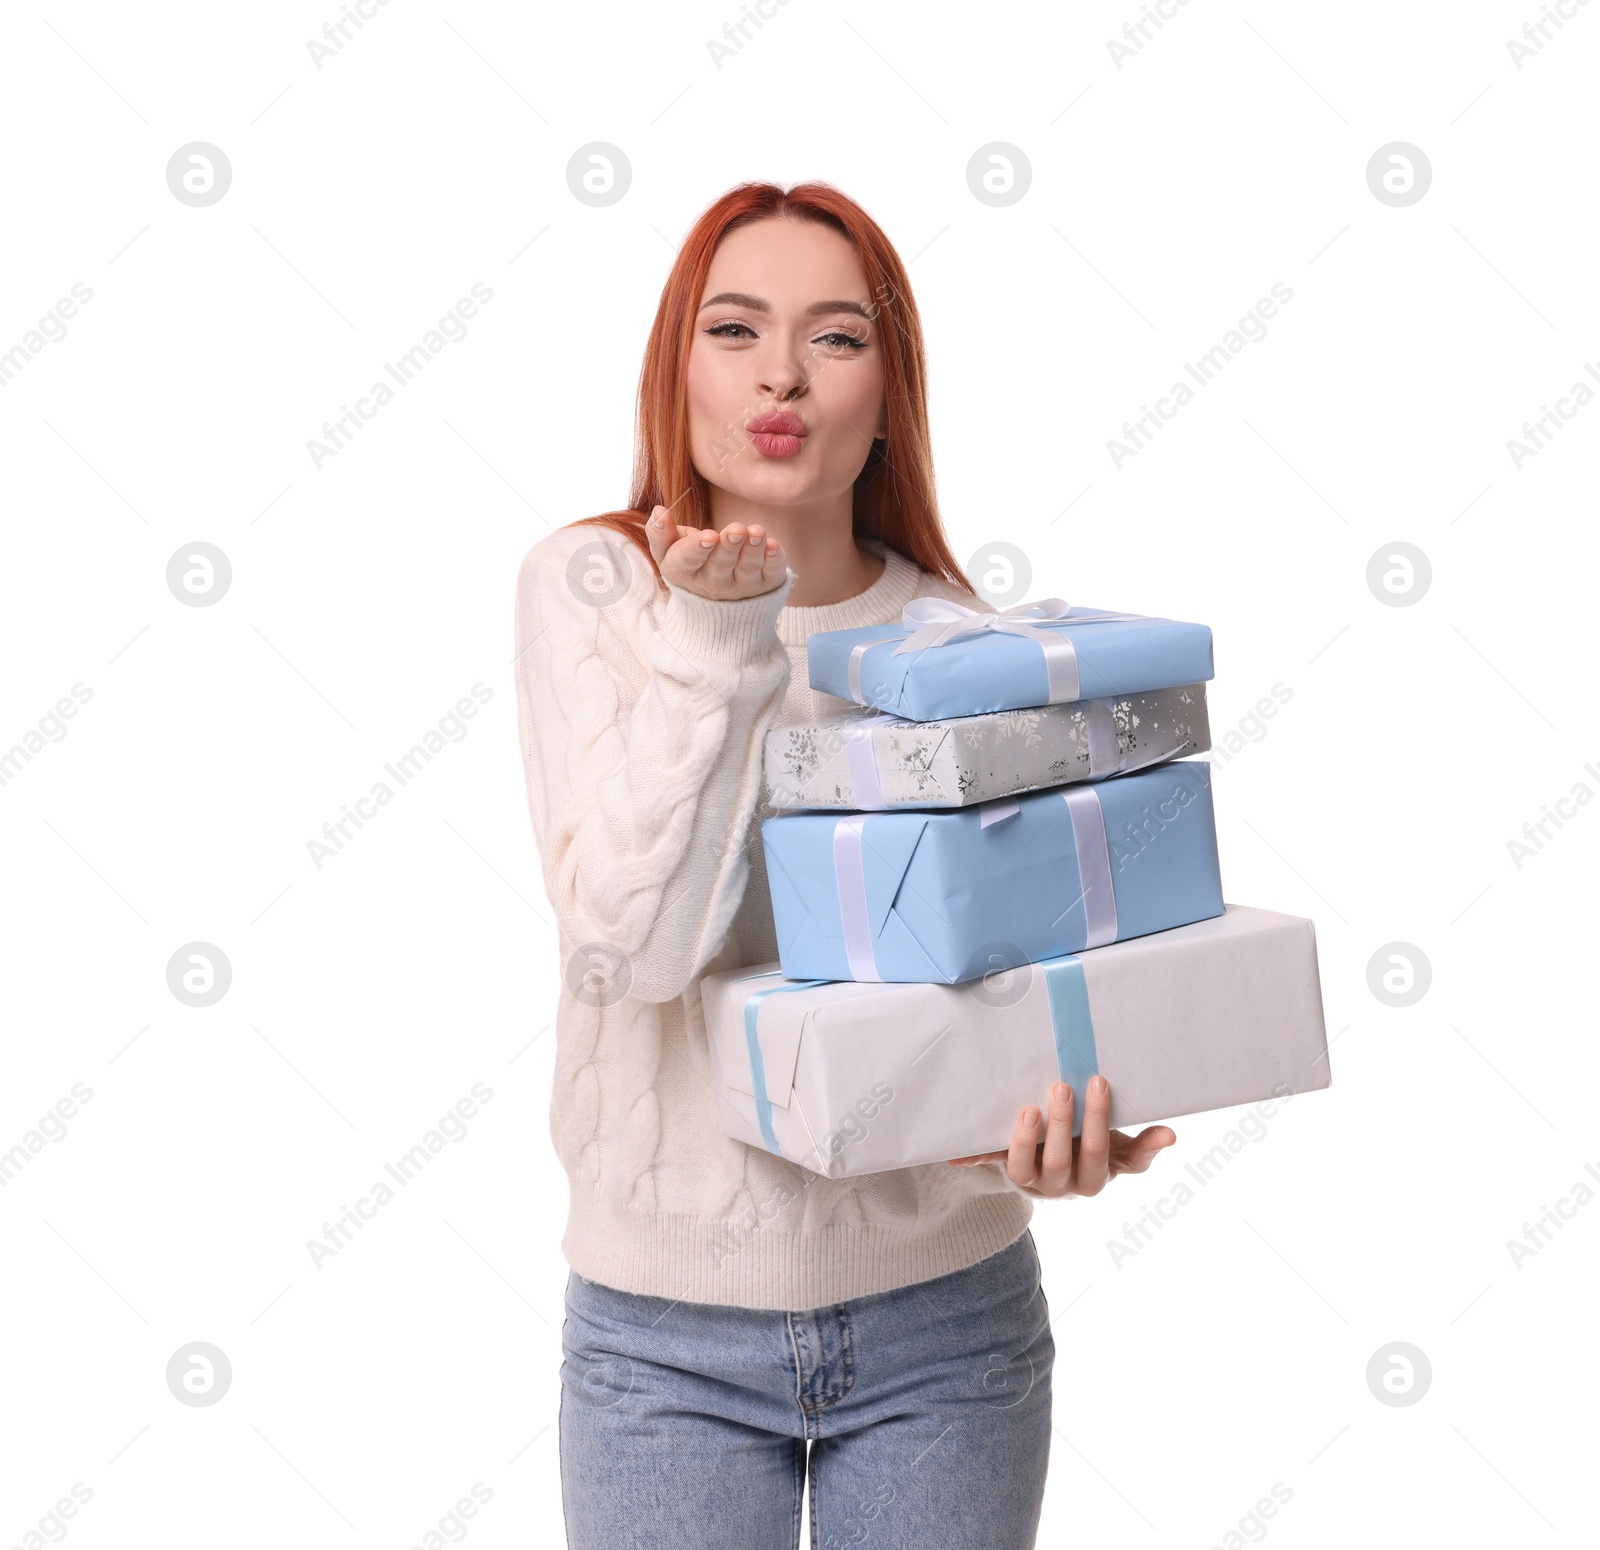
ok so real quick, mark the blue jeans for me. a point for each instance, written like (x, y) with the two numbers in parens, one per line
(926, 1410)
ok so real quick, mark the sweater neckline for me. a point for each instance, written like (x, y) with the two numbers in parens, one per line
(879, 604)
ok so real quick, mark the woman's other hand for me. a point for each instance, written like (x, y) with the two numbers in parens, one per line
(1063, 1165)
(737, 563)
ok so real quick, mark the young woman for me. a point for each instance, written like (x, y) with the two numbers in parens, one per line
(726, 1307)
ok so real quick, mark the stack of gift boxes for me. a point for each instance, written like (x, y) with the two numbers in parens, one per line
(997, 871)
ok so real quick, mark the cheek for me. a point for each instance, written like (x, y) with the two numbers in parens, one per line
(853, 393)
(713, 392)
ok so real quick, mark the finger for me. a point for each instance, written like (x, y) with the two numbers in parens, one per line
(1094, 1142)
(762, 566)
(671, 554)
(1022, 1159)
(963, 1162)
(693, 550)
(1134, 1154)
(660, 536)
(1055, 1167)
(730, 545)
(767, 560)
(747, 567)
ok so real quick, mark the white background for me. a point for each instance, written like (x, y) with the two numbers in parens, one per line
(370, 994)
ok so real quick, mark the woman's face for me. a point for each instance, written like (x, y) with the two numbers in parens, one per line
(785, 373)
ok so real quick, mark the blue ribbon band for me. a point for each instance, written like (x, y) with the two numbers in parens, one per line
(758, 1066)
(1071, 1027)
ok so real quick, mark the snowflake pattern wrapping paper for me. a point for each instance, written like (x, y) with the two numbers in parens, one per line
(867, 761)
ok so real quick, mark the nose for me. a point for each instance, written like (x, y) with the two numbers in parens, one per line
(781, 373)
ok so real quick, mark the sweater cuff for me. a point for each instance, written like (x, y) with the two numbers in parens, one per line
(741, 630)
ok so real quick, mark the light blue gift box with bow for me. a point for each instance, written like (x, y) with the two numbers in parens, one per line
(945, 659)
(950, 895)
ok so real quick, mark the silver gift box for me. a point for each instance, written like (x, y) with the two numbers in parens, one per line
(862, 1078)
(868, 761)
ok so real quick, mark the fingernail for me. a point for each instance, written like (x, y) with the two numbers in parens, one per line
(1061, 1092)
(1030, 1115)
(1097, 1085)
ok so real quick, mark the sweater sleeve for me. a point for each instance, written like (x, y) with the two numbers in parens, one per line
(641, 716)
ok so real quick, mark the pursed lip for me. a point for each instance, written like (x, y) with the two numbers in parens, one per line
(776, 422)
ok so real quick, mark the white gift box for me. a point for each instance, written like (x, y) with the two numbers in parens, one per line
(846, 1077)
(869, 760)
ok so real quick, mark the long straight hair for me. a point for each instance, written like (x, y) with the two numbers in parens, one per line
(894, 498)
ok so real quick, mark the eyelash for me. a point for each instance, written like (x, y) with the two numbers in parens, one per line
(850, 339)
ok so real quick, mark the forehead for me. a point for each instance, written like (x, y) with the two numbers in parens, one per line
(786, 261)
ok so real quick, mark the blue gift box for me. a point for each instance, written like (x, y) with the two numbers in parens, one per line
(943, 659)
(949, 895)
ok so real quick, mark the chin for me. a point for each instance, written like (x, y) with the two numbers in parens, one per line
(775, 487)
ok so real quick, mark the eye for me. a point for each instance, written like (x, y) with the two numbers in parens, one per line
(723, 330)
(838, 339)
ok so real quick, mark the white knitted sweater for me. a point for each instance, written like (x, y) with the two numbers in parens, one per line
(642, 717)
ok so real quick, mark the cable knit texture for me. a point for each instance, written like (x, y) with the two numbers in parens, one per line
(642, 717)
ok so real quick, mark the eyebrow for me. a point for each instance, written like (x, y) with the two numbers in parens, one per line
(756, 304)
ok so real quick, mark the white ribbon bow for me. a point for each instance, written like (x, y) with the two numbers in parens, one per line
(936, 620)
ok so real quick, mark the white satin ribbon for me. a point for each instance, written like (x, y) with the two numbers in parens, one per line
(861, 756)
(850, 877)
(858, 651)
(1101, 728)
(1094, 864)
(1094, 875)
(936, 621)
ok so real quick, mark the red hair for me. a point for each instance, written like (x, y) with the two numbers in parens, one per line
(894, 494)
